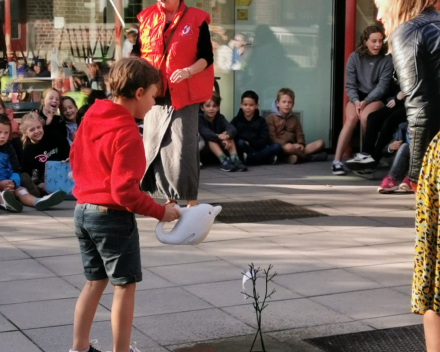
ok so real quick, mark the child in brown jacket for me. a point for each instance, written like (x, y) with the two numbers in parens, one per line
(285, 129)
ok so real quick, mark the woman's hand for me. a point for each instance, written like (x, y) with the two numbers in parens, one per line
(360, 105)
(400, 96)
(391, 104)
(180, 75)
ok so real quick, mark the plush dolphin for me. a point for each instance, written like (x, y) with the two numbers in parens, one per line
(193, 226)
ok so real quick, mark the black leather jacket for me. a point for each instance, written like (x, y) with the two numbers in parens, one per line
(416, 56)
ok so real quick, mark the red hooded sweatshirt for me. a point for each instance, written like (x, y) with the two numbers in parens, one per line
(108, 161)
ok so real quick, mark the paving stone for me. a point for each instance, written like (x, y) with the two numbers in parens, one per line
(388, 275)
(338, 223)
(368, 304)
(49, 247)
(46, 313)
(9, 252)
(23, 269)
(5, 325)
(191, 326)
(63, 265)
(394, 321)
(276, 228)
(288, 315)
(28, 232)
(382, 235)
(17, 341)
(406, 289)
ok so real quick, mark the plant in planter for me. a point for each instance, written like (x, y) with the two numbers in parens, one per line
(259, 303)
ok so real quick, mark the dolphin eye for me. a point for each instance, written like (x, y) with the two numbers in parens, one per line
(209, 213)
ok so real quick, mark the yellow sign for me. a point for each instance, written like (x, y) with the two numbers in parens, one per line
(243, 2)
(242, 14)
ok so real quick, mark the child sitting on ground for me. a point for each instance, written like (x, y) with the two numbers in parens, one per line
(14, 137)
(285, 129)
(219, 134)
(40, 146)
(12, 195)
(50, 102)
(69, 112)
(252, 138)
(399, 170)
(108, 162)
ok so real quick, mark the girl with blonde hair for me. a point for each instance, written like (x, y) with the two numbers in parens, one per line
(413, 26)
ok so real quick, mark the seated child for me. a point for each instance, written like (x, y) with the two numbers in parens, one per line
(399, 170)
(12, 195)
(252, 138)
(69, 112)
(50, 102)
(285, 129)
(40, 146)
(14, 137)
(219, 134)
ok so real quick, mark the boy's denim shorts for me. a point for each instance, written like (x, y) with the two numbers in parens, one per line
(109, 243)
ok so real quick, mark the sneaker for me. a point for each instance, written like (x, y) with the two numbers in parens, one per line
(50, 201)
(245, 157)
(292, 159)
(239, 166)
(338, 168)
(11, 203)
(133, 347)
(361, 162)
(274, 160)
(227, 165)
(388, 185)
(201, 165)
(405, 186)
(319, 157)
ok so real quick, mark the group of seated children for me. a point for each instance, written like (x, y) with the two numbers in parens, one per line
(42, 136)
(249, 139)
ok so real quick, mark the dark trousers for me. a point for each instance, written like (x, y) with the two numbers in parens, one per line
(381, 126)
(264, 156)
(400, 166)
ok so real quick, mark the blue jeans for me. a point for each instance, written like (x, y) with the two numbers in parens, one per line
(264, 156)
(400, 166)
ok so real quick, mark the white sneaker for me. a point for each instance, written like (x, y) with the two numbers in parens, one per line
(133, 347)
(50, 200)
(361, 162)
(10, 202)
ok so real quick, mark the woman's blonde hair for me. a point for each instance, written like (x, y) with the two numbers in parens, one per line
(45, 93)
(31, 117)
(400, 11)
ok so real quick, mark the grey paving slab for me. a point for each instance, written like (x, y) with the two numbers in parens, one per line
(196, 273)
(6, 325)
(56, 339)
(275, 228)
(225, 232)
(368, 304)
(198, 326)
(394, 321)
(149, 281)
(382, 235)
(64, 264)
(398, 219)
(36, 290)
(406, 289)
(288, 315)
(228, 293)
(262, 252)
(23, 269)
(17, 341)
(171, 255)
(2, 239)
(27, 232)
(162, 301)
(49, 247)
(404, 250)
(42, 314)
(388, 275)
(325, 282)
(338, 223)
(10, 252)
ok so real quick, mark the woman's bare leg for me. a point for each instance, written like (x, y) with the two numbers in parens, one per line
(347, 131)
(372, 107)
(431, 323)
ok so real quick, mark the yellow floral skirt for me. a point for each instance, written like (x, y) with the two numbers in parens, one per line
(426, 281)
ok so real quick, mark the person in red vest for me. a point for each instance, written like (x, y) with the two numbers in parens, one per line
(175, 39)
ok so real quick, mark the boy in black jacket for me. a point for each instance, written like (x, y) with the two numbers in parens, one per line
(219, 135)
(252, 138)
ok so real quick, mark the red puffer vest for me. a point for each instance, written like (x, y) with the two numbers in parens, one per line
(182, 52)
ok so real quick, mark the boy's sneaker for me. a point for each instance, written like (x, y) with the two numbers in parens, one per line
(319, 157)
(361, 162)
(274, 160)
(239, 166)
(50, 200)
(10, 202)
(405, 186)
(245, 157)
(388, 185)
(338, 168)
(227, 165)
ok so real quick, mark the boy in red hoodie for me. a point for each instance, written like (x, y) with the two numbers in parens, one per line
(108, 162)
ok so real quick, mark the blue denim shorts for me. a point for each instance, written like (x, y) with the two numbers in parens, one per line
(109, 243)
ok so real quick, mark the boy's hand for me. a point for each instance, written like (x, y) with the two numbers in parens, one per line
(7, 185)
(400, 96)
(227, 144)
(171, 213)
(223, 136)
(391, 104)
(395, 145)
(300, 147)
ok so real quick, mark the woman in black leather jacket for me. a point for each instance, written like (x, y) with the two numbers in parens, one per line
(414, 29)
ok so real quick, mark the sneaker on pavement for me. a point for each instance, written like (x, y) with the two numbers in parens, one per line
(133, 348)
(388, 185)
(227, 165)
(361, 162)
(274, 160)
(50, 200)
(405, 186)
(239, 166)
(319, 157)
(292, 159)
(338, 168)
(11, 203)
(93, 347)
(245, 157)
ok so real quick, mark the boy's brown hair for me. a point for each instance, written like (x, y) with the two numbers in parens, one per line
(2, 104)
(216, 98)
(4, 120)
(126, 76)
(286, 91)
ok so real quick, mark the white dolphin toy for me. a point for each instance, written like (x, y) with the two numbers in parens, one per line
(192, 227)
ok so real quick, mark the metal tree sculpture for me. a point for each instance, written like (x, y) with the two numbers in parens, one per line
(259, 305)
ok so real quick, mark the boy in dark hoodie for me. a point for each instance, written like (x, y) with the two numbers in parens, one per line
(252, 138)
(108, 162)
(285, 129)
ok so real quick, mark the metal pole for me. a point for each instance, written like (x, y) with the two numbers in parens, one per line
(117, 6)
(8, 30)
